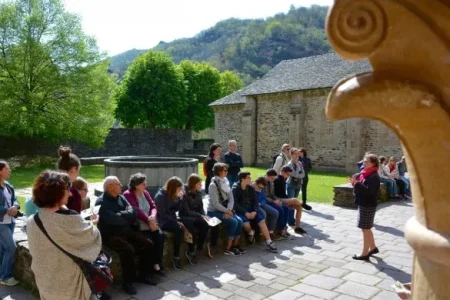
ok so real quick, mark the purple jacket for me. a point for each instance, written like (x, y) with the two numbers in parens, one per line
(142, 215)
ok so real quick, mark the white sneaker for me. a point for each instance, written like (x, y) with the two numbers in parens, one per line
(9, 282)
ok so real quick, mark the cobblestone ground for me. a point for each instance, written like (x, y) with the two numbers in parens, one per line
(315, 267)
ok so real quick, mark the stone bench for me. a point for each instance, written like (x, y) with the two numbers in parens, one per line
(344, 197)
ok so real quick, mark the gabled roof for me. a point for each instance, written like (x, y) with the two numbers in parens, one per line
(314, 72)
(235, 98)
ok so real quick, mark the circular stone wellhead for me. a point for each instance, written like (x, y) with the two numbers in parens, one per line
(157, 169)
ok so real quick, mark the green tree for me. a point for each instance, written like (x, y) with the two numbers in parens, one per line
(229, 83)
(152, 93)
(203, 84)
(53, 80)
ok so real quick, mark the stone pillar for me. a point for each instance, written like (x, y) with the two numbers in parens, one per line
(408, 45)
(295, 121)
(354, 147)
(249, 131)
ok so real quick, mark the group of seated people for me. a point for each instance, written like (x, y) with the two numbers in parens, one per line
(133, 223)
(394, 175)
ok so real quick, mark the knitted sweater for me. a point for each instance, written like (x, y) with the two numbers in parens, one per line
(57, 276)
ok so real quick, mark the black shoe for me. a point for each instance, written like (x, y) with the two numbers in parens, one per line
(239, 250)
(103, 296)
(159, 273)
(306, 206)
(374, 251)
(231, 251)
(129, 288)
(176, 263)
(362, 257)
(300, 231)
(147, 279)
(191, 257)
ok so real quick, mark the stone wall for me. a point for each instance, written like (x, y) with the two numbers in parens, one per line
(228, 125)
(120, 141)
(267, 121)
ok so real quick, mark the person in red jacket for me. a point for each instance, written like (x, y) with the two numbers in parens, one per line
(140, 199)
(70, 164)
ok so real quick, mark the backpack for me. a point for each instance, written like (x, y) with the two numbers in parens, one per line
(205, 171)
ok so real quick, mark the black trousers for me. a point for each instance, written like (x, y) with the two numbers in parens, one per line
(304, 188)
(196, 225)
(178, 233)
(128, 245)
(157, 238)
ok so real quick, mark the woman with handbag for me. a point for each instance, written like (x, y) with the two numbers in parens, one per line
(57, 275)
(294, 182)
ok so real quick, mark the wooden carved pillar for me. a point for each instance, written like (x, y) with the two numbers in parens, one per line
(408, 45)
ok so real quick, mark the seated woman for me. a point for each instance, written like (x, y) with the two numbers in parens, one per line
(140, 199)
(57, 275)
(168, 203)
(82, 186)
(221, 203)
(385, 178)
(192, 214)
(9, 207)
(393, 170)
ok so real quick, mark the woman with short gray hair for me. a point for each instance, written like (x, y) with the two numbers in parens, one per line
(140, 199)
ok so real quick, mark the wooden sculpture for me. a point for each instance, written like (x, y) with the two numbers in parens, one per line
(408, 44)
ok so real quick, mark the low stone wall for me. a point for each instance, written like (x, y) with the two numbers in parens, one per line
(344, 197)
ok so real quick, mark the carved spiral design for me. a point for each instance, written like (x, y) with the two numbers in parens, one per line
(356, 27)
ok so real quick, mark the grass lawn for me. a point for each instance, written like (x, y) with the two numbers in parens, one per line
(320, 186)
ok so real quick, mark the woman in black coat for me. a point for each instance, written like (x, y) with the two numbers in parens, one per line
(366, 186)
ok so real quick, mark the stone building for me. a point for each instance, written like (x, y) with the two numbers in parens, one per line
(287, 105)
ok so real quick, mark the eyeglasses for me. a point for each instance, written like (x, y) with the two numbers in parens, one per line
(84, 190)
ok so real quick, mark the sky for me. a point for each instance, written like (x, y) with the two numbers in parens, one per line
(121, 25)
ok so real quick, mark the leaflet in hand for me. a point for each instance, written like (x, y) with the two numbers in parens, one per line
(87, 213)
(213, 221)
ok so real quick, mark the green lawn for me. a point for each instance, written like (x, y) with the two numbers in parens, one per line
(320, 186)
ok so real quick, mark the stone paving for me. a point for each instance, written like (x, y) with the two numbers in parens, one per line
(318, 266)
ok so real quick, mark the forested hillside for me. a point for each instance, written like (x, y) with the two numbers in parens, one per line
(248, 47)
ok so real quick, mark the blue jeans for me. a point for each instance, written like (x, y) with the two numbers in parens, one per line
(7, 250)
(407, 185)
(390, 185)
(234, 224)
(292, 193)
(271, 216)
(232, 178)
(258, 218)
(282, 215)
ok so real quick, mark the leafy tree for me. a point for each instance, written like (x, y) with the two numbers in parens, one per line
(203, 84)
(229, 82)
(53, 80)
(152, 93)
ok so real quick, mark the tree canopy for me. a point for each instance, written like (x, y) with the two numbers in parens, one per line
(248, 47)
(156, 93)
(54, 82)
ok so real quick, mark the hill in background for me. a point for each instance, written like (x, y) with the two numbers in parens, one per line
(249, 47)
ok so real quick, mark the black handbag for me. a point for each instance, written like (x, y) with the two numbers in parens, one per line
(296, 182)
(98, 273)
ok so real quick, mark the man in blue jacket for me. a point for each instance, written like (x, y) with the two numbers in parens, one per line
(234, 162)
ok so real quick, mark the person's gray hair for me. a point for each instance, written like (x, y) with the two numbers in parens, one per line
(230, 142)
(107, 181)
(284, 147)
(135, 180)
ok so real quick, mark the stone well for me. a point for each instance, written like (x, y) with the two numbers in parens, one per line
(157, 169)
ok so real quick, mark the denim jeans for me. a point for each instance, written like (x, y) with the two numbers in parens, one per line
(292, 193)
(234, 223)
(390, 185)
(7, 250)
(232, 178)
(407, 185)
(271, 216)
(282, 215)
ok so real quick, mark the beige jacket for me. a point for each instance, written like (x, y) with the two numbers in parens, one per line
(57, 276)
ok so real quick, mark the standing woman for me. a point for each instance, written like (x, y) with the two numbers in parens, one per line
(366, 186)
(294, 182)
(57, 275)
(70, 163)
(140, 199)
(307, 166)
(9, 208)
(213, 157)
